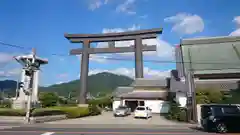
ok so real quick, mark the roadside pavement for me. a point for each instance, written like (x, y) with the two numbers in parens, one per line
(8, 125)
(40, 130)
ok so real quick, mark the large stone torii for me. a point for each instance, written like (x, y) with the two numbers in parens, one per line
(137, 48)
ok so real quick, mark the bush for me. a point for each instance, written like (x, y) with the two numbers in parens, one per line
(76, 112)
(94, 110)
(48, 99)
(103, 102)
(182, 115)
(11, 112)
(176, 113)
(5, 104)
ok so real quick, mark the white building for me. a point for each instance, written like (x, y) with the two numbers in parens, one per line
(147, 92)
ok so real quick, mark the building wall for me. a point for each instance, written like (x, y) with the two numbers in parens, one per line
(157, 106)
(179, 61)
(149, 89)
(115, 104)
(181, 98)
(199, 113)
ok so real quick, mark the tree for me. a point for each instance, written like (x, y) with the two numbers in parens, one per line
(102, 102)
(232, 98)
(209, 95)
(48, 99)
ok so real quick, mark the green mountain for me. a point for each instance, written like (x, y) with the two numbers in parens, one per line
(8, 88)
(99, 83)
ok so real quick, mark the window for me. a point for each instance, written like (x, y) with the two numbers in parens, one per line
(141, 108)
(141, 103)
(122, 107)
(217, 111)
(205, 111)
(231, 110)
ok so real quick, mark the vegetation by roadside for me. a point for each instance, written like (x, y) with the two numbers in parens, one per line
(70, 112)
(203, 96)
(176, 113)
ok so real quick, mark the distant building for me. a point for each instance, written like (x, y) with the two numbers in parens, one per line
(145, 92)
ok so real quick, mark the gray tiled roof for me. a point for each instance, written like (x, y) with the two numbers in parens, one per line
(122, 90)
(141, 82)
(145, 94)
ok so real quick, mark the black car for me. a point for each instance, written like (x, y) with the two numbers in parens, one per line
(220, 118)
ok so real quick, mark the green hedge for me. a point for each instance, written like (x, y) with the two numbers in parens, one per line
(11, 112)
(70, 112)
(47, 112)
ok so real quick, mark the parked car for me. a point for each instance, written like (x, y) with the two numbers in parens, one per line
(220, 118)
(122, 111)
(143, 112)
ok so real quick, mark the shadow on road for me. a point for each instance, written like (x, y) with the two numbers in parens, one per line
(201, 130)
(196, 128)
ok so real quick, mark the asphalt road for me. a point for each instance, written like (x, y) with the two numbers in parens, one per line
(96, 130)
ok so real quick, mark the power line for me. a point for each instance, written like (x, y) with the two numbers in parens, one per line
(127, 59)
(13, 45)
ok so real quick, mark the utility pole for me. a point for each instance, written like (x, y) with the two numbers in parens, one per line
(191, 99)
(30, 69)
(17, 89)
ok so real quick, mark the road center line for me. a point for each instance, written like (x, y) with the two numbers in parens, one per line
(48, 133)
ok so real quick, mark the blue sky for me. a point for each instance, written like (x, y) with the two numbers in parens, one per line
(42, 24)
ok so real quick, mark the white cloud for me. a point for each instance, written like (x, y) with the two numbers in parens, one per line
(148, 72)
(116, 30)
(185, 23)
(95, 4)
(10, 73)
(126, 7)
(237, 31)
(100, 58)
(5, 57)
(60, 82)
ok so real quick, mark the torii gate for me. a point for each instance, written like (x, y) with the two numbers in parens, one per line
(137, 48)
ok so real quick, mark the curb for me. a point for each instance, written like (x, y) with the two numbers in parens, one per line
(121, 126)
(42, 119)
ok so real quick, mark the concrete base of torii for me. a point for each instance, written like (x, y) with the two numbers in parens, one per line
(82, 105)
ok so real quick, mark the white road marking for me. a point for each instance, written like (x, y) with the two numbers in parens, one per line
(48, 133)
(7, 127)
